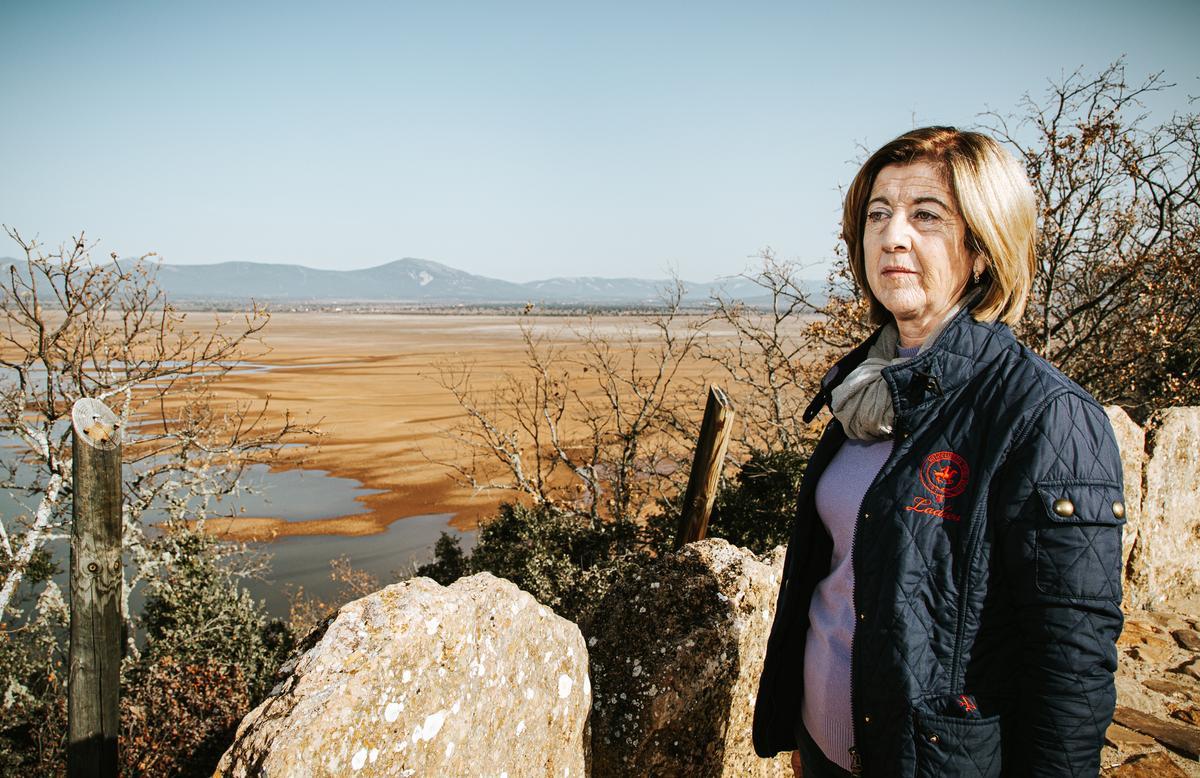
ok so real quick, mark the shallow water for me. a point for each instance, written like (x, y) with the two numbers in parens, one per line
(389, 556)
(291, 495)
(295, 495)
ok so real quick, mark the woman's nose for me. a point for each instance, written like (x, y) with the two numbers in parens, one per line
(896, 234)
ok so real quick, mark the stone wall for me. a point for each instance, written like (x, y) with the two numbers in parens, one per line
(1162, 498)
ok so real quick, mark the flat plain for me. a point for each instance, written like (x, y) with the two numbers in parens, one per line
(371, 380)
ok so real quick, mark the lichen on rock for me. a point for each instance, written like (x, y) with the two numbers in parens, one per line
(420, 679)
(676, 650)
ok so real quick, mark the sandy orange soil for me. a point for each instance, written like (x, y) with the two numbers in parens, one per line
(371, 381)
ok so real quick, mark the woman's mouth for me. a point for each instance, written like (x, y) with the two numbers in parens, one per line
(895, 270)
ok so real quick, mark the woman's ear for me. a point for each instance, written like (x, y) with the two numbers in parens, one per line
(976, 253)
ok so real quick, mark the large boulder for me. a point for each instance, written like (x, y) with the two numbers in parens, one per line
(1170, 523)
(676, 651)
(418, 679)
(1131, 439)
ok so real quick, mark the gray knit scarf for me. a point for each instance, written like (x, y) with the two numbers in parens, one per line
(863, 402)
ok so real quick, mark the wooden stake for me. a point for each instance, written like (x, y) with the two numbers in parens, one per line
(706, 467)
(93, 686)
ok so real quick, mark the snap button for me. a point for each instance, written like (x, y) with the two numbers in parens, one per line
(933, 738)
(866, 719)
(1119, 509)
(862, 616)
(866, 516)
(1064, 507)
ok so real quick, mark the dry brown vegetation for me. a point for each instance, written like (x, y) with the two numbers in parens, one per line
(1116, 297)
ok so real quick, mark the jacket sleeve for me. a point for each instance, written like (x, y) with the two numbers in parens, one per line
(1061, 552)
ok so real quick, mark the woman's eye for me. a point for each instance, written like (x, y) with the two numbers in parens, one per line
(876, 215)
(925, 216)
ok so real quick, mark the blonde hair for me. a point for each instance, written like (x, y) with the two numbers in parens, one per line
(996, 201)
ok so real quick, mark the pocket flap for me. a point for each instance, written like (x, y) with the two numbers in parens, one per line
(1082, 503)
(952, 745)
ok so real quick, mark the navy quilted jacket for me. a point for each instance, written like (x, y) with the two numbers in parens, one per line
(987, 571)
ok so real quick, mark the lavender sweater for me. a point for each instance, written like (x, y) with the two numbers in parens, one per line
(825, 710)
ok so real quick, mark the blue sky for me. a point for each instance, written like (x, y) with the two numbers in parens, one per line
(519, 140)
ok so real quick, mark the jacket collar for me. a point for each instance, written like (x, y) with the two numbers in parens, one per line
(918, 385)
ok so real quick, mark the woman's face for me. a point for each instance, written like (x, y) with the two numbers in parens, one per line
(914, 247)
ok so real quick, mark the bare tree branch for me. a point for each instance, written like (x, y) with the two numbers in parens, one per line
(72, 328)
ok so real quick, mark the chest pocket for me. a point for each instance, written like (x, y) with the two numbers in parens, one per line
(1079, 540)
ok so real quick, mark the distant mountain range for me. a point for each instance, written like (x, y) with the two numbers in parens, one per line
(422, 282)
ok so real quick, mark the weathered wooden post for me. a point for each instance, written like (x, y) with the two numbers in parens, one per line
(706, 467)
(95, 654)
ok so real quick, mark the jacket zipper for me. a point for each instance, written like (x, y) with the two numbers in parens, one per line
(855, 754)
(956, 679)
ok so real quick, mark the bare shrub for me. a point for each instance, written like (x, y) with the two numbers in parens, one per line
(779, 351)
(306, 612)
(593, 430)
(1116, 297)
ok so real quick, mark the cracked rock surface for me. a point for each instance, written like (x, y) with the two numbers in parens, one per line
(1162, 498)
(1158, 675)
(420, 679)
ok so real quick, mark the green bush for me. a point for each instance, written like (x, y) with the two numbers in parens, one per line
(33, 676)
(449, 562)
(196, 613)
(757, 508)
(210, 655)
(564, 561)
(753, 510)
(177, 719)
(568, 562)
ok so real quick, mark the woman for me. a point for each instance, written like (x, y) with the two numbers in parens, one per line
(950, 599)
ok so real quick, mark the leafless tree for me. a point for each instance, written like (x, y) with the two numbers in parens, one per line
(72, 328)
(778, 352)
(1116, 298)
(593, 429)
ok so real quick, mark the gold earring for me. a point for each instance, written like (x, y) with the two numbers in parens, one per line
(978, 275)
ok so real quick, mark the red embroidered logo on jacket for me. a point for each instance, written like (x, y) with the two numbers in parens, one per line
(930, 508)
(945, 474)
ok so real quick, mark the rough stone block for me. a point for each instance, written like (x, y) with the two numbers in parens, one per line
(1131, 439)
(676, 653)
(1170, 524)
(1121, 737)
(420, 679)
(1187, 638)
(1188, 714)
(1181, 738)
(1156, 765)
(1190, 668)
